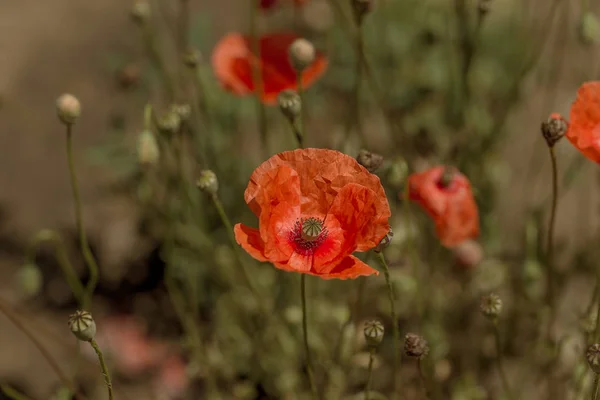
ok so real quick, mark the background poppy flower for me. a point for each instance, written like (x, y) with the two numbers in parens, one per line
(233, 61)
(584, 128)
(449, 201)
(315, 208)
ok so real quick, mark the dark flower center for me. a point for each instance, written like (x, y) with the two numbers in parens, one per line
(307, 235)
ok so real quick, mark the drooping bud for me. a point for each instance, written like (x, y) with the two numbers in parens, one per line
(192, 57)
(371, 161)
(68, 108)
(290, 104)
(361, 8)
(141, 11)
(385, 242)
(302, 54)
(311, 228)
(554, 129)
(208, 182)
(415, 346)
(589, 29)
(82, 325)
(147, 149)
(491, 306)
(593, 357)
(373, 332)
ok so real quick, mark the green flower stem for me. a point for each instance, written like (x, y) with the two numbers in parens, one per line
(500, 362)
(12, 393)
(311, 378)
(395, 331)
(6, 310)
(422, 378)
(359, 77)
(301, 120)
(63, 261)
(83, 241)
(369, 372)
(257, 79)
(596, 387)
(105, 373)
(229, 227)
(152, 50)
(551, 274)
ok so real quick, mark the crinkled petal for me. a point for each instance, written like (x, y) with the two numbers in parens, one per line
(250, 240)
(300, 263)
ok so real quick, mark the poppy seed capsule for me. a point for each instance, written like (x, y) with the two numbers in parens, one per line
(82, 325)
(290, 104)
(593, 357)
(554, 129)
(147, 149)
(371, 161)
(68, 108)
(302, 53)
(311, 229)
(373, 332)
(415, 345)
(491, 305)
(208, 182)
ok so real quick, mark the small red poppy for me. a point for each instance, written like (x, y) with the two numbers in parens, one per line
(315, 208)
(447, 197)
(233, 62)
(584, 128)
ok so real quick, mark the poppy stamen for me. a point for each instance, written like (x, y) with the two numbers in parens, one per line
(307, 235)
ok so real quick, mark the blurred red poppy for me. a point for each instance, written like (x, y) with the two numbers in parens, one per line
(233, 62)
(315, 208)
(267, 4)
(584, 128)
(446, 195)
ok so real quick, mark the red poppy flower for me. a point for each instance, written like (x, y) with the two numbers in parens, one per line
(449, 201)
(584, 129)
(315, 208)
(266, 4)
(233, 62)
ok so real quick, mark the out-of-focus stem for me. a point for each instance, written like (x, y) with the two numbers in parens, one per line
(83, 241)
(309, 369)
(369, 372)
(261, 112)
(12, 393)
(550, 275)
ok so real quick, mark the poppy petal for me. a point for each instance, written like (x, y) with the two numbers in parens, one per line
(250, 240)
(300, 263)
(349, 268)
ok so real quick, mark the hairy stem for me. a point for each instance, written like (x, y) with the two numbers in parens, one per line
(105, 373)
(395, 331)
(500, 363)
(83, 241)
(550, 276)
(309, 369)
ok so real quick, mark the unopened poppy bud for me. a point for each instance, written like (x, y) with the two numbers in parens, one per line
(208, 182)
(554, 129)
(373, 332)
(68, 108)
(361, 8)
(491, 306)
(192, 57)
(468, 254)
(371, 161)
(593, 357)
(302, 54)
(290, 104)
(147, 149)
(141, 11)
(30, 279)
(484, 7)
(589, 29)
(415, 346)
(169, 123)
(82, 325)
(385, 242)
